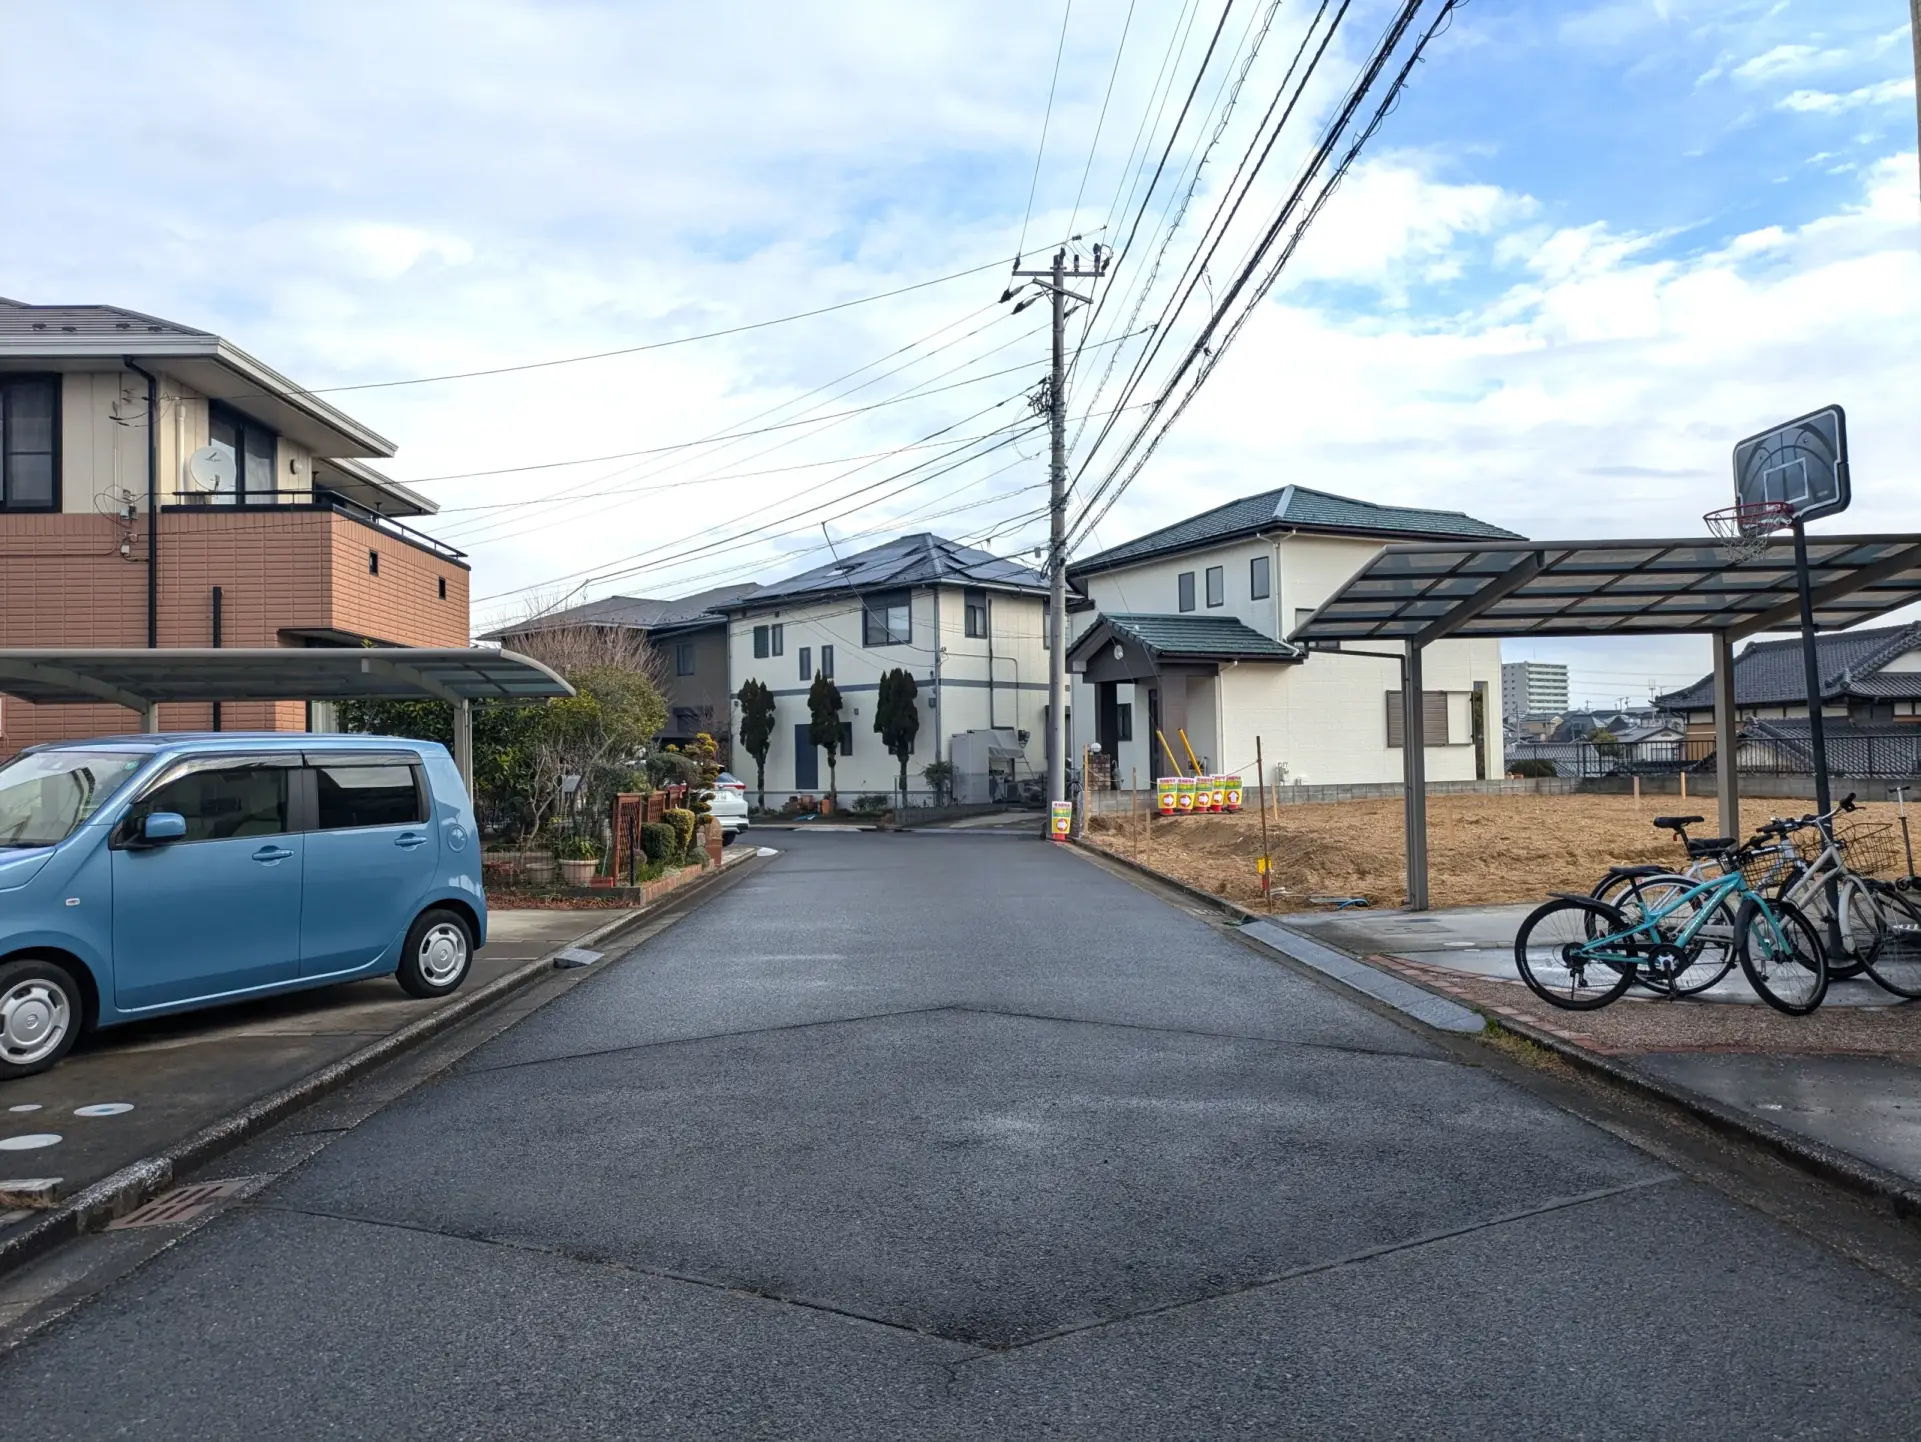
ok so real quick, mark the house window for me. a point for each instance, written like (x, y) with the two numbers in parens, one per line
(1216, 585)
(683, 658)
(886, 620)
(373, 563)
(760, 643)
(827, 662)
(1185, 581)
(776, 637)
(806, 663)
(29, 444)
(976, 603)
(1260, 577)
(443, 588)
(1124, 721)
(252, 446)
(1433, 719)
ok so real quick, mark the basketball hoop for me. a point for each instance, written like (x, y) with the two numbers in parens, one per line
(1743, 530)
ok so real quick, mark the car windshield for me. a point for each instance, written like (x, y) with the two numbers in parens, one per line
(45, 795)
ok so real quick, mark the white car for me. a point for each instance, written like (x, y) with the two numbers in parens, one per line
(729, 807)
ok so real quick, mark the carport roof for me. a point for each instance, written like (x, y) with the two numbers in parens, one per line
(1422, 593)
(143, 678)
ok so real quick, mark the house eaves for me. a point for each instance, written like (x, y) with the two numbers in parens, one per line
(214, 367)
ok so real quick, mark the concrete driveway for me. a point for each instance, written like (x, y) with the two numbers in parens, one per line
(960, 1136)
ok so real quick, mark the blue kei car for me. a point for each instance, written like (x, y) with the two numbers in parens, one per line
(141, 875)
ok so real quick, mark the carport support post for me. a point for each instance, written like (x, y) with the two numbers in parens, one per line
(464, 744)
(1414, 778)
(1727, 771)
(150, 717)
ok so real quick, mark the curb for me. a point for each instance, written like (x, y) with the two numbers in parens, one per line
(120, 1192)
(1901, 1196)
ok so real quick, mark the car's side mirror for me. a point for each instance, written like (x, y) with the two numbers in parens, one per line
(162, 826)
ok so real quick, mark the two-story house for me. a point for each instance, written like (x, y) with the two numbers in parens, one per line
(966, 625)
(161, 487)
(1188, 632)
(690, 636)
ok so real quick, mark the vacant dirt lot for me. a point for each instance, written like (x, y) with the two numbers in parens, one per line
(1481, 849)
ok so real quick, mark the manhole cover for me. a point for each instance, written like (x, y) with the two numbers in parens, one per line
(183, 1204)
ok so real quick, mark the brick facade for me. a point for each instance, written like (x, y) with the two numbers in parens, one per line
(282, 572)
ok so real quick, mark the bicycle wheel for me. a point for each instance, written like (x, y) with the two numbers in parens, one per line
(1812, 902)
(1709, 953)
(1897, 965)
(1781, 956)
(1863, 930)
(1556, 956)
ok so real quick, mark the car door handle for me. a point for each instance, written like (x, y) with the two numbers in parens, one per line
(270, 854)
(410, 839)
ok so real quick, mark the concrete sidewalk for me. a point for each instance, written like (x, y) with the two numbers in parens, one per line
(1847, 1078)
(129, 1092)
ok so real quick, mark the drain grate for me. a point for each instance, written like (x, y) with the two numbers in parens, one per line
(183, 1204)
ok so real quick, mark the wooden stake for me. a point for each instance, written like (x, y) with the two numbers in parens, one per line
(1637, 786)
(1267, 857)
(1684, 785)
(1134, 807)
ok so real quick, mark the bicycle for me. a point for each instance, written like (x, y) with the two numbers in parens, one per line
(1779, 951)
(1636, 890)
(1831, 885)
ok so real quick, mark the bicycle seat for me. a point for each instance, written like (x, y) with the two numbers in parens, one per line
(1709, 845)
(1676, 823)
(1638, 871)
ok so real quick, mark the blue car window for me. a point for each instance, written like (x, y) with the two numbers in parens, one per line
(220, 802)
(367, 796)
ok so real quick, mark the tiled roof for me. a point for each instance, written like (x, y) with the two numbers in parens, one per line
(919, 560)
(20, 319)
(1770, 673)
(1302, 508)
(642, 613)
(1220, 637)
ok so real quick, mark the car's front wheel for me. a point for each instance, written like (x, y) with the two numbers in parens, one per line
(40, 1013)
(437, 955)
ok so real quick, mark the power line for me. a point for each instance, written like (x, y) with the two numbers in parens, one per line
(632, 349)
(1047, 119)
(1201, 358)
(1100, 121)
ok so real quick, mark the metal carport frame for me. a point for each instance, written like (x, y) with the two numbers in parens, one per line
(143, 680)
(1418, 594)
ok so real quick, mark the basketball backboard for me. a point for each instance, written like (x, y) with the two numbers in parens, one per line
(1802, 465)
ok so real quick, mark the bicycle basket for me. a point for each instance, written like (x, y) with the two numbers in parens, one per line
(1765, 869)
(1871, 848)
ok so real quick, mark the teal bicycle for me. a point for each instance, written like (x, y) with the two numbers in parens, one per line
(1580, 953)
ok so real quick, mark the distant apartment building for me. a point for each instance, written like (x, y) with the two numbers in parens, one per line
(1533, 688)
(160, 487)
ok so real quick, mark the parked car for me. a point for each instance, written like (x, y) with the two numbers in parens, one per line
(730, 807)
(141, 875)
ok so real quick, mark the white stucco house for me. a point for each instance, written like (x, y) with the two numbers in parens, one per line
(1188, 630)
(966, 625)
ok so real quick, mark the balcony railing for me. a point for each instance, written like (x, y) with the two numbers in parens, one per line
(325, 500)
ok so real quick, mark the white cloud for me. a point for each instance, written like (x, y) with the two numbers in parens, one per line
(1827, 102)
(1789, 60)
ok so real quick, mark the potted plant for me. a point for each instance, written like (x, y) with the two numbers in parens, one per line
(579, 858)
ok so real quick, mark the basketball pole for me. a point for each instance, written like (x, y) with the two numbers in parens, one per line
(1811, 667)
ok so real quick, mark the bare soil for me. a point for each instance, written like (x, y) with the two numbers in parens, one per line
(1482, 850)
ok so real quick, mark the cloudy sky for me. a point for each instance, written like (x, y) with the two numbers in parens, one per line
(1593, 245)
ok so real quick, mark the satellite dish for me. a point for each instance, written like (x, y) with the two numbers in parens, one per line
(210, 468)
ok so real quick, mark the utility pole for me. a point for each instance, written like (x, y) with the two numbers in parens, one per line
(1914, 33)
(1054, 280)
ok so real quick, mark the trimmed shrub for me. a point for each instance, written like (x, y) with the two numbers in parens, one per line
(1532, 767)
(682, 820)
(871, 804)
(658, 842)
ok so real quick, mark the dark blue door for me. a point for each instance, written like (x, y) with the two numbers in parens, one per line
(806, 760)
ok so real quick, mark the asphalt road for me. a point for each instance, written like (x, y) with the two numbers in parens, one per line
(952, 1136)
